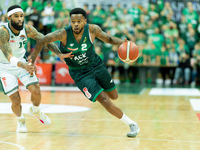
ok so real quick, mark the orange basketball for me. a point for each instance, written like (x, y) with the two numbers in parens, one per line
(128, 52)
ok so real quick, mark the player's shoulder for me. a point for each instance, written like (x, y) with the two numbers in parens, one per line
(93, 26)
(30, 30)
(3, 31)
(94, 29)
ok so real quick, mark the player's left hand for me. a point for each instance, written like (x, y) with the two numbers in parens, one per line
(32, 69)
(63, 56)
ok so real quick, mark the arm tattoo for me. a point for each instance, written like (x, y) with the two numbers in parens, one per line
(53, 47)
(20, 64)
(4, 44)
(37, 36)
(49, 38)
(96, 30)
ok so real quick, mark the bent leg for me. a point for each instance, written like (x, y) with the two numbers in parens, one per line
(16, 104)
(36, 99)
(112, 94)
(117, 112)
(103, 99)
(35, 94)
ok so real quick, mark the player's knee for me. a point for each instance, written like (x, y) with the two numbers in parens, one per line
(114, 96)
(37, 93)
(105, 102)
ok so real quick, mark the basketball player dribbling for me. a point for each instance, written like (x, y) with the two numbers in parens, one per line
(86, 67)
(14, 66)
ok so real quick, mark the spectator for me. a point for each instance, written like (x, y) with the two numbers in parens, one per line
(141, 38)
(135, 12)
(153, 13)
(191, 39)
(192, 16)
(142, 26)
(125, 15)
(98, 16)
(107, 25)
(150, 28)
(99, 52)
(163, 57)
(58, 6)
(38, 5)
(140, 59)
(113, 62)
(183, 70)
(186, 10)
(85, 7)
(157, 38)
(2, 19)
(35, 17)
(167, 12)
(111, 13)
(65, 9)
(173, 56)
(29, 10)
(182, 26)
(48, 18)
(173, 62)
(171, 33)
(195, 64)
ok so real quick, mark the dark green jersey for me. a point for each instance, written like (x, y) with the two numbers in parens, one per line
(84, 53)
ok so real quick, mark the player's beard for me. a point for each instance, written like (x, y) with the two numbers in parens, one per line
(78, 31)
(16, 26)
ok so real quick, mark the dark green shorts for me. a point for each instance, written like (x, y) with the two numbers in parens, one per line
(93, 82)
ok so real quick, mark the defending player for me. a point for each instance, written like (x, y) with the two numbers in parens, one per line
(86, 67)
(14, 66)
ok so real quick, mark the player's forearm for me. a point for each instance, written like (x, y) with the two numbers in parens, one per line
(53, 48)
(38, 47)
(115, 41)
(21, 65)
(16, 62)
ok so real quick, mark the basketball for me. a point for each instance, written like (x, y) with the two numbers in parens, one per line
(128, 52)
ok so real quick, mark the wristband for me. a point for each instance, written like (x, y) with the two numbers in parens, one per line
(14, 60)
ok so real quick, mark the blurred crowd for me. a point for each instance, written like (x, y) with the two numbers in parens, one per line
(173, 47)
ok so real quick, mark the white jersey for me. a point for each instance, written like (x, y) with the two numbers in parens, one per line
(17, 43)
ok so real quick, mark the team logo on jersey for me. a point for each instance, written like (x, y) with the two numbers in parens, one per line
(85, 39)
(85, 90)
(22, 37)
(72, 44)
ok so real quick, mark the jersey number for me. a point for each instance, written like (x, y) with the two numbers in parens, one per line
(22, 44)
(84, 47)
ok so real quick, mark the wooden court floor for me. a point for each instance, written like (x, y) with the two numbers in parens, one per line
(166, 123)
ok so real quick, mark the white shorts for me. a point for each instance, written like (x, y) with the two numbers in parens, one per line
(9, 76)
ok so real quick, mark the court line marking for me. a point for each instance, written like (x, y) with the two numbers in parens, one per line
(21, 147)
(112, 120)
(54, 88)
(142, 91)
(111, 137)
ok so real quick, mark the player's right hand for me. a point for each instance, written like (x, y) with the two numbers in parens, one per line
(30, 68)
(63, 56)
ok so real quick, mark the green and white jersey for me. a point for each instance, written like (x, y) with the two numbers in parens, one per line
(17, 43)
(84, 53)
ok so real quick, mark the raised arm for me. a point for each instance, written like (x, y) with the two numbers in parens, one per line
(7, 51)
(44, 41)
(96, 31)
